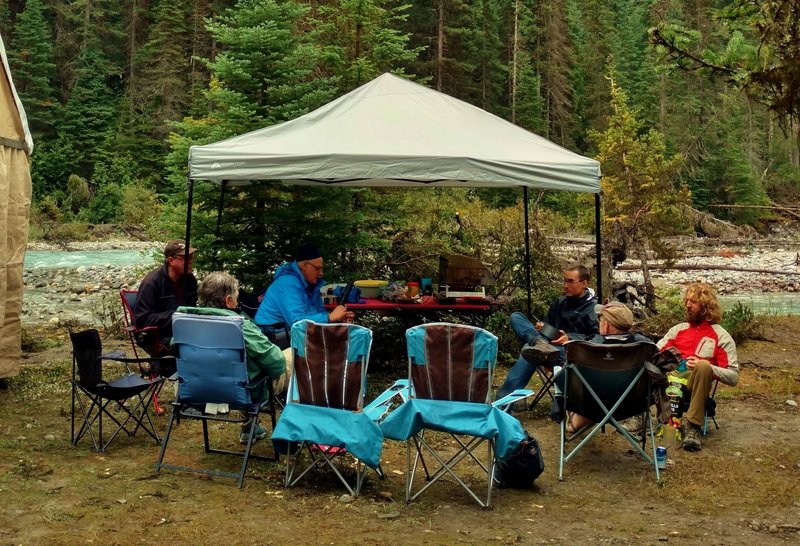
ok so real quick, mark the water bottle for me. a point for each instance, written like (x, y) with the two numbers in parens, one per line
(661, 457)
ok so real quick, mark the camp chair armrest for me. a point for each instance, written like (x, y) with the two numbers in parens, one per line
(505, 402)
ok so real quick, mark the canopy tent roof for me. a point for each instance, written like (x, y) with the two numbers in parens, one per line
(393, 132)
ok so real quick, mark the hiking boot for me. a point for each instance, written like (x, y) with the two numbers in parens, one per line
(633, 424)
(260, 434)
(691, 439)
(539, 352)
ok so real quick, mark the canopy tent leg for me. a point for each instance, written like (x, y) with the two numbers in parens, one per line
(598, 246)
(221, 204)
(188, 233)
(527, 247)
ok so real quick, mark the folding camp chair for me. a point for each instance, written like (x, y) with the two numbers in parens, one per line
(450, 371)
(324, 413)
(92, 394)
(146, 338)
(213, 386)
(711, 408)
(710, 413)
(546, 376)
(607, 383)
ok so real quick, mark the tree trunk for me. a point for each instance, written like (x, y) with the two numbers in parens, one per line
(440, 47)
(650, 292)
(514, 61)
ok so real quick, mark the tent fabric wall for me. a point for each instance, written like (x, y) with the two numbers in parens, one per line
(15, 202)
(394, 132)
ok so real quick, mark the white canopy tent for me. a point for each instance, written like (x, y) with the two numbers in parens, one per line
(392, 132)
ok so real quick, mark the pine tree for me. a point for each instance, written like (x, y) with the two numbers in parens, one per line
(642, 203)
(362, 39)
(90, 110)
(265, 72)
(34, 69)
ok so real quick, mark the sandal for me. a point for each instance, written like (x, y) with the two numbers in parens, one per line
(572, 427)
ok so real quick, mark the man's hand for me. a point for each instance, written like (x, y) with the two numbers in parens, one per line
(340, 314)
(692, 361)
(539, 325)
(562, 338)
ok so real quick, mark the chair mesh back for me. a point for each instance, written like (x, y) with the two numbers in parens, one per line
(211, 360)
(327, 371)
(86, 352)
(454, 362)
(129, 303)
(609, 369)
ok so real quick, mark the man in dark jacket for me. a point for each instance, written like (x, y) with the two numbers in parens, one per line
(161, 292)
(573, 316)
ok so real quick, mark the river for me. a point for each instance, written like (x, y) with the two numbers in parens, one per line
(48, 259)
(53, 283)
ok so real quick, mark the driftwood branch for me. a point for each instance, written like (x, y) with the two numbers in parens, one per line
(787, 210)
(700, 267)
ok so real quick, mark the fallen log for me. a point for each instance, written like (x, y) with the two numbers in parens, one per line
(701, 267)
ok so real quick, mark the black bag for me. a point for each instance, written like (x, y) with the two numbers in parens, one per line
(521, 468)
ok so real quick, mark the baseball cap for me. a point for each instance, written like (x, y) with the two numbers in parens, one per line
(177, 247)
(616, 313)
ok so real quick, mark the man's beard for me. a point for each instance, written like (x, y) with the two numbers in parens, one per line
(694, 318)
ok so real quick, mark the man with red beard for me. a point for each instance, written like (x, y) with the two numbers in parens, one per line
(709, 351)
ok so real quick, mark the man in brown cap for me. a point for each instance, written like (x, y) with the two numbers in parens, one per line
(161, 292)
(616, 322)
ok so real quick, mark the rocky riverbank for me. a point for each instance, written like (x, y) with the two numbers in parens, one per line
(89, 292)
(781, 266)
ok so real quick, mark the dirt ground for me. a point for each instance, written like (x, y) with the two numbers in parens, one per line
(741, 488)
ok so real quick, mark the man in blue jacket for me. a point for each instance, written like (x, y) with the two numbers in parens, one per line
(294, 294)
(573, 315)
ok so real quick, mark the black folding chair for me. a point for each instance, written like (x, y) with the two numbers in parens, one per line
(92, 394)
(607, 383)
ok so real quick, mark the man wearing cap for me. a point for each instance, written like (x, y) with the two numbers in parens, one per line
(616, 322)
(161, 292)
(294, 293)
(573, 317)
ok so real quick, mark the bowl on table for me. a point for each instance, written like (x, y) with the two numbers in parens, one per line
(370, 288)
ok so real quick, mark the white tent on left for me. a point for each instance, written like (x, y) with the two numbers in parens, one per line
(392, 132)
(16, 146)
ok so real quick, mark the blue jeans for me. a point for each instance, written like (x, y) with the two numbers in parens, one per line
(522, 371)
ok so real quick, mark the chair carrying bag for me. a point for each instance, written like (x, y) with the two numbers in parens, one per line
(521, 468)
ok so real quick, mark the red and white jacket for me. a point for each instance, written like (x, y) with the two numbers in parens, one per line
(707, 341)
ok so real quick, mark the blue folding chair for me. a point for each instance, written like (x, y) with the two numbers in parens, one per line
(450, 373)
(213, 385)
(324, 411)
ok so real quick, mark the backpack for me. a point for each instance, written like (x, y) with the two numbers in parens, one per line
(521, 468)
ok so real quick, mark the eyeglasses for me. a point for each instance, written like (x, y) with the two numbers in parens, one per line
(319, 268)
(572, 281)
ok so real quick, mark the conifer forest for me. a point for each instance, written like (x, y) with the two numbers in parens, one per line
(706, 93)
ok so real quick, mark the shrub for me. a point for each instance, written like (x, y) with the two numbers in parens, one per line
(140, 204)
(669, 311)
(108, 312)
(742, 324)
(77, 193)
(104, 208)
